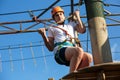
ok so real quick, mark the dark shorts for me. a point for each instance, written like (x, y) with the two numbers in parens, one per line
(60, 57)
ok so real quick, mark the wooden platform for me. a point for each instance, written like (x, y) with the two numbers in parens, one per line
(106, 71)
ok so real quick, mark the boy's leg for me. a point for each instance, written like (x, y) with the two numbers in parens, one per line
(86, 60)
(74, 55)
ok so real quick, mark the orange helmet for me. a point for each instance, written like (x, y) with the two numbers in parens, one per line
(56, 9)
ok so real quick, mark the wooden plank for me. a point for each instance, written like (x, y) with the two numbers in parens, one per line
(106, 70)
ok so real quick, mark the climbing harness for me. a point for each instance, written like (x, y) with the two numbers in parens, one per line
(77, 41)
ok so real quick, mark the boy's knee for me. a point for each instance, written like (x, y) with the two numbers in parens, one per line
(79, 51)
(90, 58)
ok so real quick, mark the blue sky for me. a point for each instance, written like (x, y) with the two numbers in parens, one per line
(37, 63)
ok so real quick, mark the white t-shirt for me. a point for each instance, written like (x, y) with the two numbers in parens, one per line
(59, 35)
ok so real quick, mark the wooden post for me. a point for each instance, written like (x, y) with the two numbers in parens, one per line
(98, 31)
(51, 79)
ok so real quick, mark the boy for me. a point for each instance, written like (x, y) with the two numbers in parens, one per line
(60, 39)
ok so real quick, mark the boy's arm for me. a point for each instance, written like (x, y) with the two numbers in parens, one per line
(80, 27)
(49, 41)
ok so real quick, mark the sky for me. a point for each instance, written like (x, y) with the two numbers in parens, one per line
(23, 56)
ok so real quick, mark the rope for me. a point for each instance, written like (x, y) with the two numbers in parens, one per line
(80, 3)
(33, 56)
(22, 58)
(87, 40)
(11, 62)
(0, 63)
(113, 19)
(44, 57)
(105, 4)
(3, 61)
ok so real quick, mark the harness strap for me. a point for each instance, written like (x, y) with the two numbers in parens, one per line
(64, 31)
(64, 43)
(76, 39)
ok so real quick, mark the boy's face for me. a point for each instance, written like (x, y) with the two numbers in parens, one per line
(59, 17)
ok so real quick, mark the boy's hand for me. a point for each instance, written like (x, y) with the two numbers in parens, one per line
(42, 31)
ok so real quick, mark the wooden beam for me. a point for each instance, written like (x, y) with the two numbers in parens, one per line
(98, 32)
